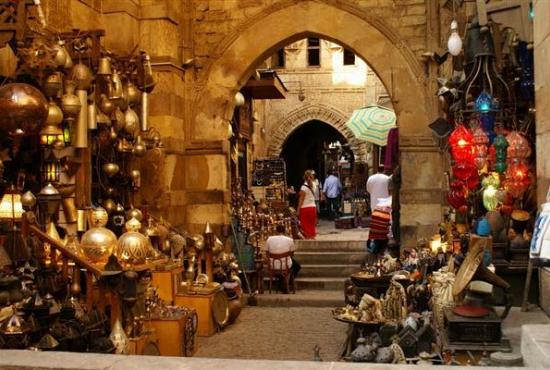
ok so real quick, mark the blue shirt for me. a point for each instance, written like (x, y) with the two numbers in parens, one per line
(332, 187)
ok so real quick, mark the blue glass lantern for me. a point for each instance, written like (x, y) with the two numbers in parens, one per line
(484, 102)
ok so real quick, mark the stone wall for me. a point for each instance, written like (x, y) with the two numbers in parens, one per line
(542, 91)
(329, 92)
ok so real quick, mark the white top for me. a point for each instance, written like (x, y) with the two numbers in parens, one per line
(377, 186)
(278, 244)
(309, 198)
(316, 188)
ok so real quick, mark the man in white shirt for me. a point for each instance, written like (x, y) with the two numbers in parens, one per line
(281, 243)
(378, 187)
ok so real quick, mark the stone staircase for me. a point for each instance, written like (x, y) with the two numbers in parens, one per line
(327, 263)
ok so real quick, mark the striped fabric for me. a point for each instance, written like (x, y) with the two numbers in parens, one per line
(372, 124)
(379, 225)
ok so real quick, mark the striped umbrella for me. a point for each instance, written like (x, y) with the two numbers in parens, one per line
(372, 124)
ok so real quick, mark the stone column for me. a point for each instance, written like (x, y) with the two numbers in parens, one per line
(157, 27)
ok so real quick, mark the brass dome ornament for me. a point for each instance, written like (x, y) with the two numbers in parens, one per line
(99, 242)
(22, 106)
(134, 213)
(132, 94)
(110, 169)
(106, 105)
(28, 200)
(62, 57)
(133, 247)
(98, 217)
(109, 205)
(139, 147)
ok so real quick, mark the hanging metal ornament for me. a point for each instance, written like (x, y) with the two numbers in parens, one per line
(115, 91)
(70, 103)
(62, 55)
(23, 107)
(53, 85)
(82, 76)
(110, 169)
(106, 105)
(131, 118)
(119, 121)
(104, 68)
(144, 112)
(132, 94)
(92, 112)
(139, 147)
(81, 129)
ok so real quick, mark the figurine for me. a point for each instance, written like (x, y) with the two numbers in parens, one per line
(371, 309)
(394, 305)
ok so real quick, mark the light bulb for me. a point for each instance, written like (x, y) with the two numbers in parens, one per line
(454, 44)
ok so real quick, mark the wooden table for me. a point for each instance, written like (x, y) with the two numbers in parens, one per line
(172, 336)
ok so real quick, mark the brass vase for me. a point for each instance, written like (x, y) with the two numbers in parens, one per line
(70, 103)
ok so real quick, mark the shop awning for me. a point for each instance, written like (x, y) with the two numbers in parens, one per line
(265, 84)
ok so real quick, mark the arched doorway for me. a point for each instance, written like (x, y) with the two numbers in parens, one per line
(364, 33)
(304, 149)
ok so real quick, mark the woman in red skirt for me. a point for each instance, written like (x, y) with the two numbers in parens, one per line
(307, 209)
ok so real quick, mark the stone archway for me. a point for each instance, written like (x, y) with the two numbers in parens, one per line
(370, 37)
(321, 112)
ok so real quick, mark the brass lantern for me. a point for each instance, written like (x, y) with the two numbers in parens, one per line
(51, 169)
(49, 201)
(133, 247)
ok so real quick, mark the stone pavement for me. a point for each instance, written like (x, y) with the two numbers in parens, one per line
(277, 333)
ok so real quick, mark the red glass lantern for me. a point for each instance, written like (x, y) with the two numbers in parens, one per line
(518, 146)
(456, 196)
(464, 170)
(481, 141)
(461, 142)
(517, 178)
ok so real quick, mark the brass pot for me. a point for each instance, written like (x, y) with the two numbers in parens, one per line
(22, 106)
(110, 169)
(82, 76)
(70, 103)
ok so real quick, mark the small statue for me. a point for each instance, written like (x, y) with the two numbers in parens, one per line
(317, 353)
(394, 305)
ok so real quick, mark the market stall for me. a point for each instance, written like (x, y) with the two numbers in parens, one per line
(84, 266)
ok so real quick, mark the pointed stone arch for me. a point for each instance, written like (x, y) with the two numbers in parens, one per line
(321, 112)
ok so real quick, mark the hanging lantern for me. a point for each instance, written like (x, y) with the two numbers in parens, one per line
(517, 179)
(463, 171)
(51, 169)
(518, 146)
(67, 134)
(490, 196)
(454, 44)
(500, 145)
(456, 196)
(480, 148)
(461, 140)
(484, 102)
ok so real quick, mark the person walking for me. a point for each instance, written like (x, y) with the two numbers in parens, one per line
(307, 209)
(332, 188)
(378, 187)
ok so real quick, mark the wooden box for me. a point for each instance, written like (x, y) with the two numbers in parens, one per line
(469, 329)
(203, 305)
(167, 282)
(172, 336)
(147, 345)
(347, 222)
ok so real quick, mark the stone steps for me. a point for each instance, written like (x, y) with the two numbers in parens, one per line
(320, 246)
(328, 270)
(343, 258)
(319, 283)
